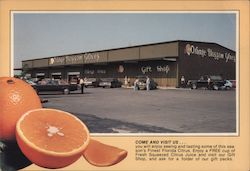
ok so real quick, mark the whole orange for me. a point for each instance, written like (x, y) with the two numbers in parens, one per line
(16, 98)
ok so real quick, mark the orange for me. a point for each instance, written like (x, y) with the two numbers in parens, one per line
(51, 138)
(100, 154)
(16, 98)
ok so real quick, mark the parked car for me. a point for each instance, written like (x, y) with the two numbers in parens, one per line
(216, 82)
(30, 82)
(110, 83)
(54, 85)
(91, 82)
(227, 85)
(142, 83)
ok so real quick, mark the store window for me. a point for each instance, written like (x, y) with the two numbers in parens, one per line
(40, 76)
(56, 75)
(73, 77)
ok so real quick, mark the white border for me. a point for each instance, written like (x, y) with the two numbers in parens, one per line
(155, 12)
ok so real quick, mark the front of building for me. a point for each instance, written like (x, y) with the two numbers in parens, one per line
(165, 62)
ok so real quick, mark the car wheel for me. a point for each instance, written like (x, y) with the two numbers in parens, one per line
(215, 87)
(194, 86)
(66, 91)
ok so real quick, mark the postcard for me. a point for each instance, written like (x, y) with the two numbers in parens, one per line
(124, 85)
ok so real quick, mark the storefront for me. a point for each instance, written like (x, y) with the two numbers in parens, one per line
(56, 75)
(40, 75)
(165, 62)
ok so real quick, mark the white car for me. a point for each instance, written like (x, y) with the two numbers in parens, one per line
(30, 82)
(228, 85)
(91, 82)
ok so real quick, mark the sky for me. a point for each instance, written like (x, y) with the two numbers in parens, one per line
(39, 35)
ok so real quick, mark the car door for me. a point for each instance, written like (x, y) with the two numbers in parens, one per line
(113, 83)
(43, 86)
(117, 83)
(55, 86)
(49, 86)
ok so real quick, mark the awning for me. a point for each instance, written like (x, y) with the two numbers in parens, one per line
(56, 73)
(40, 74)
(73, 73)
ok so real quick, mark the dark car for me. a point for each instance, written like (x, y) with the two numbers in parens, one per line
(54, 85)
(142, 83)
(216, 82)
(110, 83)
(91, 82)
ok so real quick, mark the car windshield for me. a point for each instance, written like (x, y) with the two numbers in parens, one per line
(52, 82)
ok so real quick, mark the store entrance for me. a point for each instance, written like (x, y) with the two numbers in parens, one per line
(40, 76)
(73, 77)
(56, 75)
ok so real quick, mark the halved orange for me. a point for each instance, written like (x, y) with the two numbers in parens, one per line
(101, 155)
(51, 138)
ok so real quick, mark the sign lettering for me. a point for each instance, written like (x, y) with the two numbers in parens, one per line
(87, 71)
(165, 69)
(215, 55)
(228, 57)
(74, 59)
(146, 69)
(101, 71)
(191, 49)
(91, 57)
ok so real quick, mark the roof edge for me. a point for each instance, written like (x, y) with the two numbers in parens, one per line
(141, 45)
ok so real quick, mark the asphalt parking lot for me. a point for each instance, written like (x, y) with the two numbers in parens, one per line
(121, 110)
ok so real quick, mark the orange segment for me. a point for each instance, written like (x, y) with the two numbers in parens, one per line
(51, 138)
(100, 154)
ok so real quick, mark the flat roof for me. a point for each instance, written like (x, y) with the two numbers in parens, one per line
(127, 47)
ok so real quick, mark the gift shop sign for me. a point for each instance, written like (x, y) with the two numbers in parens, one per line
(191, 49)
(148, 69)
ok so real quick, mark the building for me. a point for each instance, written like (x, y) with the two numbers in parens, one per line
(165, 62)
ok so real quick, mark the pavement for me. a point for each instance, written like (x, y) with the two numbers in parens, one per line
(121, 110)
